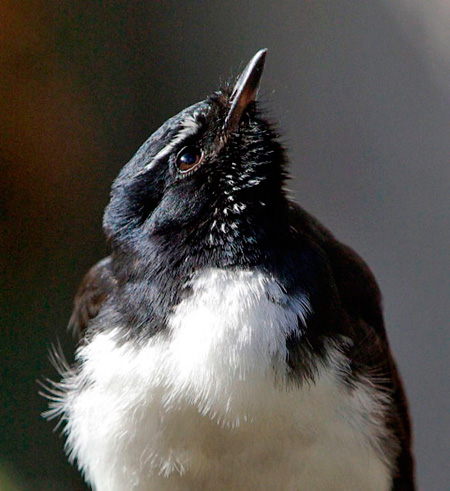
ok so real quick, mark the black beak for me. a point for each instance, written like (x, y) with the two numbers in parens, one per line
(245, 91)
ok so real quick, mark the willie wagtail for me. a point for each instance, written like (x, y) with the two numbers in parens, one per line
(229, 342)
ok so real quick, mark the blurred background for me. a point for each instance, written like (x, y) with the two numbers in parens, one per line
(362, 93)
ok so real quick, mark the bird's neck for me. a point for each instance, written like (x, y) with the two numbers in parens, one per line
(233, 237)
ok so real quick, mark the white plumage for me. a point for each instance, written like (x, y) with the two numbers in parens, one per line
(205, 404)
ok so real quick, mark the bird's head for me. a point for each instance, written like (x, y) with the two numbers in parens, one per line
(213, 174)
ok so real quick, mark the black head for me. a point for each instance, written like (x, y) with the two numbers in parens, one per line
(211, 177)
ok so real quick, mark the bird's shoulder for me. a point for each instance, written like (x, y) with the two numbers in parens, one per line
(360, 299)
(355, 283)
(96, 287)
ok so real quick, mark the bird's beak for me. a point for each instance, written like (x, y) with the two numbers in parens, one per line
(245, 91)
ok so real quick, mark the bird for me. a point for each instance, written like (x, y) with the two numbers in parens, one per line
(229, 341)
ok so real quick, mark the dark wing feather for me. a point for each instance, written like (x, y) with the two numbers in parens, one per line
(361, 299)
(98, 284)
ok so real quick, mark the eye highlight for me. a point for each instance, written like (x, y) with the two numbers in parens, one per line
(189, 158)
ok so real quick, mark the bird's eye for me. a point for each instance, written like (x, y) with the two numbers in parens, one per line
(188, 158)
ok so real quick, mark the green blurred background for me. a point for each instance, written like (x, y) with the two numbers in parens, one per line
(362, 93)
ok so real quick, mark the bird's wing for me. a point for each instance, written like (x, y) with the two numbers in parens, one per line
(361, 300)
(97, 286)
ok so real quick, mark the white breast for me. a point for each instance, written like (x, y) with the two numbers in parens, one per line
(204, 404)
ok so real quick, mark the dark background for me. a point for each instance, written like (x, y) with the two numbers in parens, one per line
(361, 90)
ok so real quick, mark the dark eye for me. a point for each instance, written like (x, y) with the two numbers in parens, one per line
(188, 158)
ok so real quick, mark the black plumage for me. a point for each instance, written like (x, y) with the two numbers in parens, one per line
(215, 198)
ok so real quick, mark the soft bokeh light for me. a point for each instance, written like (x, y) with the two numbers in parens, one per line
(427, 24)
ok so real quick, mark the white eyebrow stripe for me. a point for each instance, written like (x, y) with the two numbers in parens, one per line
(190, 126)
